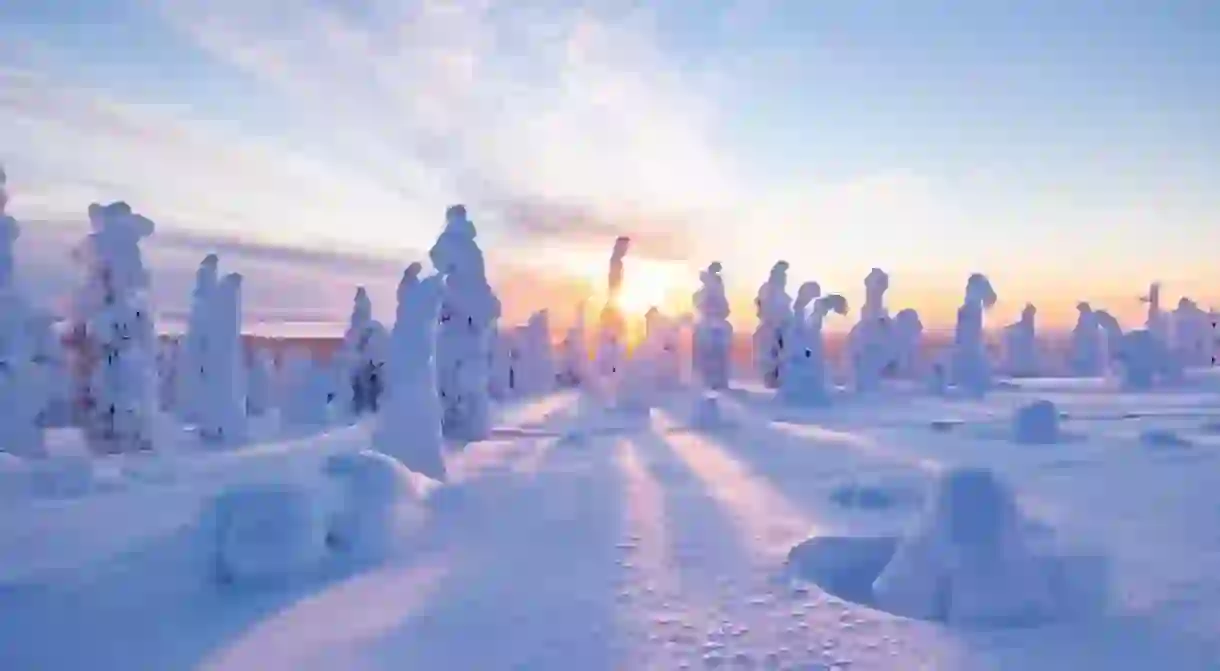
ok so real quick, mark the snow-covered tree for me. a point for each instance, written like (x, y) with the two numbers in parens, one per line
(1112, 335)
(223, 393)
(410, 426)
(611, 346)
(1021, 344)
(1144, 361)
(712, 334)
(1156, 322)
(971, 369)
(363, 357)
(574, 352)
(538, 354)
(661, 334)
(804, 370)
(191, 374)
(23, 388)
(908, 336)
(505, 378)
(260, 382)
(1089, 347)
(167, 372)
(305, 386)
(870, 340)
(467, 322)
(117, 387)
(773, 306)
(1192, 334)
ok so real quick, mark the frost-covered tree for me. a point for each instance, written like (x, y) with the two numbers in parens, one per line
(804, 370)
(611, 346)
(1021, 344)
(305, 386)
(538, 354)
(712, 334)
(970, 368)
(908, 336)
(167, 372)
(23, 389)
(574, 352)
(1144, 361)
(223, 393)
(467, 322)
(117, 383)
(191, 374)
(661, 334)
(1088, 356)
(410, 427)
(506, 361)
(362, 357)
(773, 306)
(871, 339)
(1156, 322)
(1192, 334)
(260, 382)
(1112, 335)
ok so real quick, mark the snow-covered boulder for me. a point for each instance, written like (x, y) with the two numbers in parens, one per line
(1036, 423)
(263, 533)
(409, 426)
(968, 560)
(773, 305)
(379, 504)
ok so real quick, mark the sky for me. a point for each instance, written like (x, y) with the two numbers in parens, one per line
(1070, 150)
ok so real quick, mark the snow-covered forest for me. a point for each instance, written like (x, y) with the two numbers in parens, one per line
(452, 491)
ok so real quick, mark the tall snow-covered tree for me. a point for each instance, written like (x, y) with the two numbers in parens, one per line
(908, 338)
(223, 394)
(193, 356)
(539, 354)
(113, 327)
(870, 340)
(467, 322)
(774, 308)
(1021, 344)
(611, 347)
(970, 368)
(260, 383)
(23, 388)
(804, 377)
(304, 386)
(1088, 356)
(712, 334)
(574, 351)
(362, 356)
(409, 428)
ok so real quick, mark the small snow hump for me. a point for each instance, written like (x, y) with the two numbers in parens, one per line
(1036, 423)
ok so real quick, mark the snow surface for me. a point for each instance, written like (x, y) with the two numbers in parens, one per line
(573, 539)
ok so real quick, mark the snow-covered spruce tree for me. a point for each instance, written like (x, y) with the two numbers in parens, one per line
(304, 388)
(1156, 322)
(363, 356)
(804, 377)
(1021, 344)
(611, 346)
(712, 334)
(467, 321)
(662, 333)
(223, 394)
(116, 383)
(1192, 334)
(871, 339)
(538, 354)
(1088, 354)
(167, 372)
(23, 388)
(908, 336)
(260, 383)
(191, 374)
(774, 308)
(574, 352)
(502, 379)
(970, 368)
(409, 429)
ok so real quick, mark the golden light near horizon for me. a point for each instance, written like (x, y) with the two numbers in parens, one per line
(648, 284)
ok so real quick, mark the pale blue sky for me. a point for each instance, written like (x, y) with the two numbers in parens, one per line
(1038, 141)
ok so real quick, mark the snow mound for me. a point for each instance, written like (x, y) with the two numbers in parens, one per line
(1163, 438)
(707, 414)
(379, 504)
(1036, 423)
(875, 495)
(971, 560)
(263, 533)
(61, 477)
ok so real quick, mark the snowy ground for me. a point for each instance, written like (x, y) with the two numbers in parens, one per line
(581, 539)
